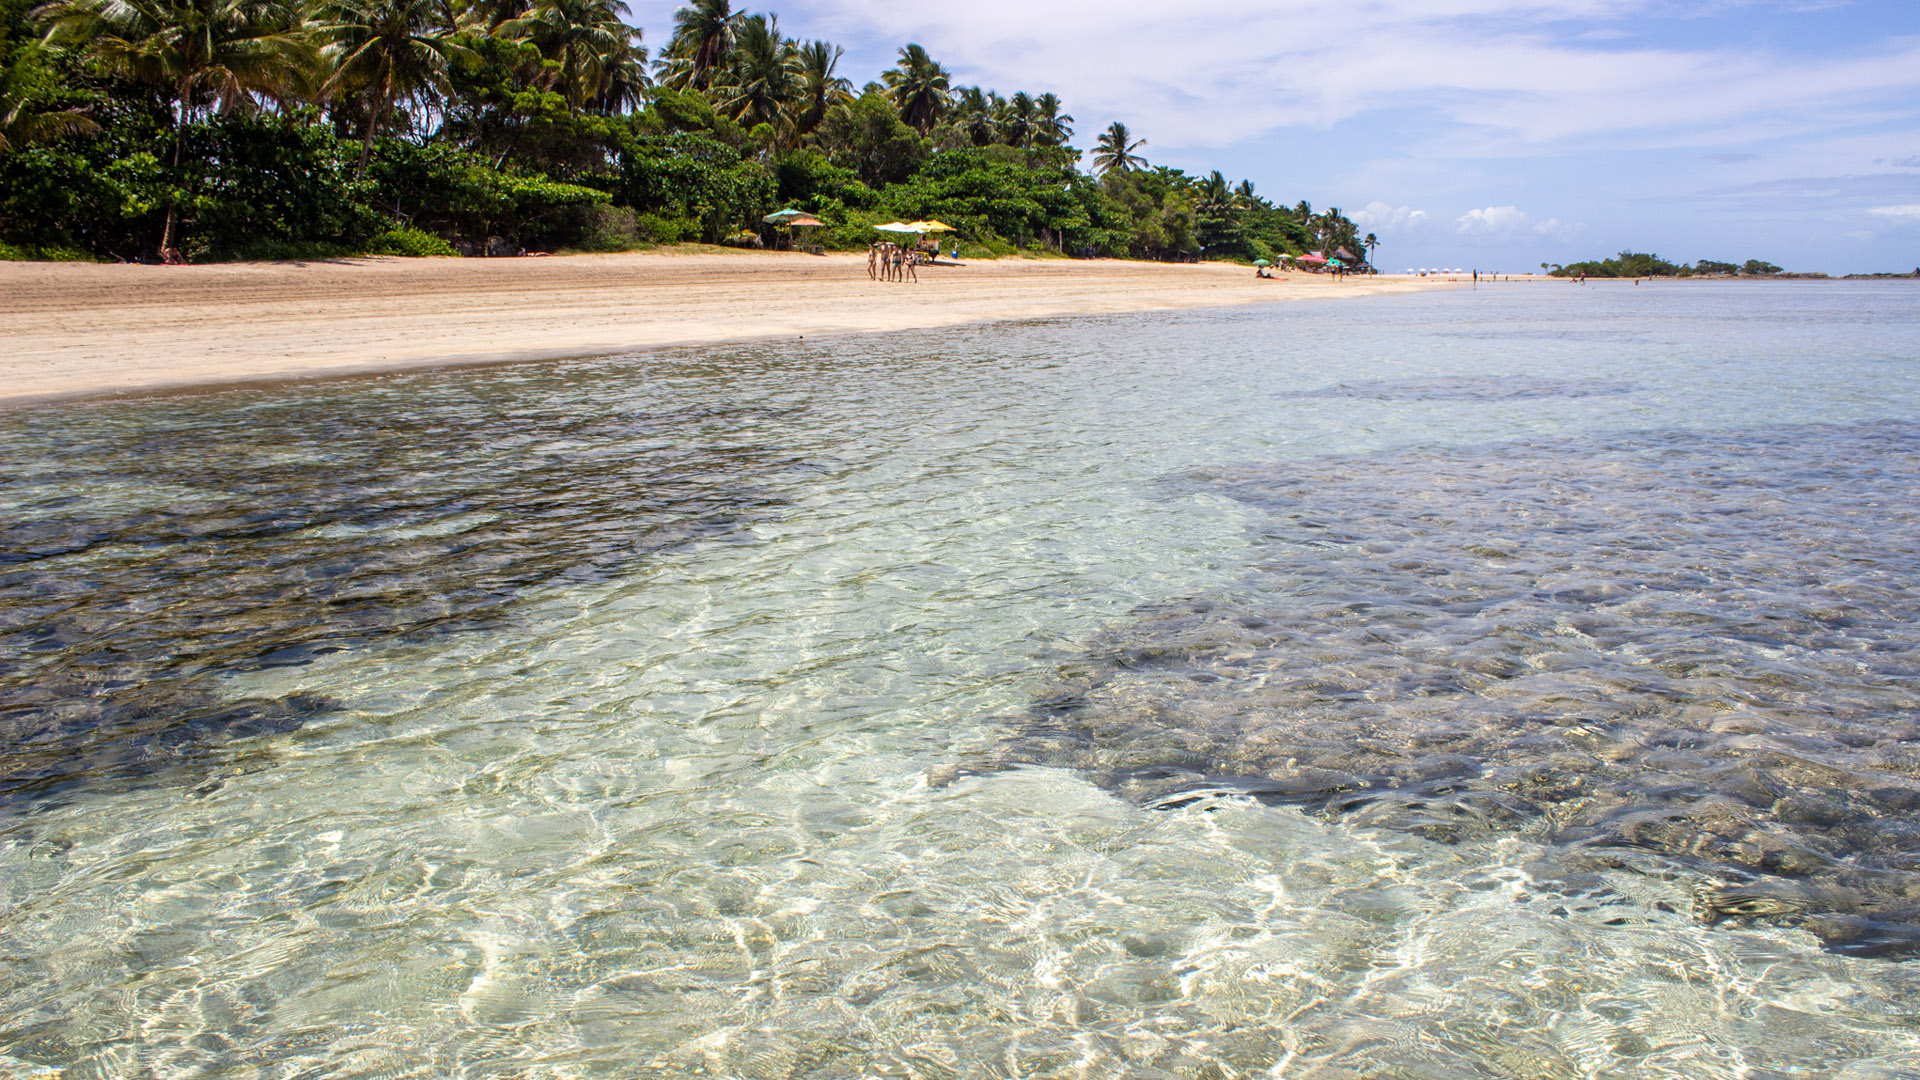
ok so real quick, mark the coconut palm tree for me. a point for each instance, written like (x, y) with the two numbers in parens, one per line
(1214, 196)
(387, 51)
(702, 43)
(1114, 150)
(226, 54)
(1371, 242)
(1053, 127)
(1020, 121)
(624, 77)
(821, 87)
(482, 16)
(973, 115)
(920, 88)
(580, 36)
(763, 84)
(23, 121)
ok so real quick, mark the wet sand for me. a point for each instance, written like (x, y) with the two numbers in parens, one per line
(79, 330)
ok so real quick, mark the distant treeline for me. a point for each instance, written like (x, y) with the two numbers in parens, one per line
(224, 129)
(1633, 264)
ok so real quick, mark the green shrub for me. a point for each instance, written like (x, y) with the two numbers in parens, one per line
(272, 251)
(663, 230)
(412, 243)
(985, 247)
(42, 253)
(607, 228)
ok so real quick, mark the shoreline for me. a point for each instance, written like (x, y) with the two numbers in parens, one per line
(76, 331)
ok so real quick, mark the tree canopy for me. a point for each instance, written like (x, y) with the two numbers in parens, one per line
(210, 129)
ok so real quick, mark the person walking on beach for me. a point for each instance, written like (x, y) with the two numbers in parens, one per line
(873, 262)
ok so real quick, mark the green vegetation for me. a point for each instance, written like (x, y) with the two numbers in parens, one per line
(289, 129)
(1633, 264)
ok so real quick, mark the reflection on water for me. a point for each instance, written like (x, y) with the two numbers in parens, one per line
(1467, 388)
(1702, 647)
(619, 718)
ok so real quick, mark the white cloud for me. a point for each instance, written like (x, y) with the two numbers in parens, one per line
(1392, 220)
(1552, 229)
(1501, 223)
(1502, 77)
(1898, 213)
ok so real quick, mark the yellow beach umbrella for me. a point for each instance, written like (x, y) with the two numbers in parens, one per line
(933, 226)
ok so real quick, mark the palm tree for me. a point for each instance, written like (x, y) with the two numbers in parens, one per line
(483, 16)
(1020, 121)
(22, 120)
(763, 83)
(975, 113)
(389, 50)
(1214, 196)
(920, 88)
(581, 36)
(1052, 127)
(1114, 150)
(623, 72)
(821, 88)
(1371, 242)
(702, 44)
(225, 52)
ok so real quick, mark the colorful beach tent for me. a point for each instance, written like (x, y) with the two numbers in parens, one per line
(1313, 257)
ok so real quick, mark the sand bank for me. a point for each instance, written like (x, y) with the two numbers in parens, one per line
(71, 330)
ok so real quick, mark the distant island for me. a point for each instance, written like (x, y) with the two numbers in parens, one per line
(170, 130)
(1634, 264)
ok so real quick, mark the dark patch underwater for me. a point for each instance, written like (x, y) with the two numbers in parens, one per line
(1680, 652)
(157, 549)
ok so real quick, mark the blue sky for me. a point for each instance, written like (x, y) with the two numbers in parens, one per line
(1478, 133)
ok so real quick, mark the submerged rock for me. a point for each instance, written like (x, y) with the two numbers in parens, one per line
(1701, 649)
(148, 554)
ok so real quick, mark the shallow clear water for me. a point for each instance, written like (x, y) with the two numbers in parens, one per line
(1504, 683)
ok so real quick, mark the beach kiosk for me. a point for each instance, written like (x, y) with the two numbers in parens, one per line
(790, 220)
(933, 228)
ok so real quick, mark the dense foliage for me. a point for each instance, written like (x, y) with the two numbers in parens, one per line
(1633, 264)
(218, 129)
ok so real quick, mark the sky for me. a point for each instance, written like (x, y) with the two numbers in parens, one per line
(1488, 134)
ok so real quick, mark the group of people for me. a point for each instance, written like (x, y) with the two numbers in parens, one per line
(888, 261)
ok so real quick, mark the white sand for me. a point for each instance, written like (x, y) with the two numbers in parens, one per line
(71, 330)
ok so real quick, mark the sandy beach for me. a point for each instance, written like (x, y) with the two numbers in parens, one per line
(76, 330)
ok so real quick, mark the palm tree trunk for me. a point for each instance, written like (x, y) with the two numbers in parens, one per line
(173, 203)
(373, 121)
